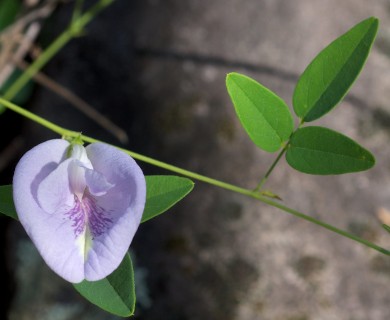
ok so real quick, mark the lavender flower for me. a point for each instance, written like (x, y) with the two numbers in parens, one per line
(80, 206)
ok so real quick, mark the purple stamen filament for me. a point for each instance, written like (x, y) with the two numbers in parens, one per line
(88, 213)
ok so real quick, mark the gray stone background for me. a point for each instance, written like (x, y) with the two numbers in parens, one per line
(157, 68)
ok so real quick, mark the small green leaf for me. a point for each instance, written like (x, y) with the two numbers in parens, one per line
(7, 206)
(330, 75)
(115, 293)
(317, 150)
(162, 192)
(265, 117)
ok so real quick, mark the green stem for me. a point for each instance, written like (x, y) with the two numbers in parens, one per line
(73, 30)
(273, 165)
(196, 176)
(35, 118)
(262, 181)
(327, 226)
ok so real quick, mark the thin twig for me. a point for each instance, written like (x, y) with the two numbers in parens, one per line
(39, 13)
(17, 38)
(24, 46)
(78, 103)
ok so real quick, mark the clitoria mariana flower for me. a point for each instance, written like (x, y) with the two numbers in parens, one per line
(80, 206)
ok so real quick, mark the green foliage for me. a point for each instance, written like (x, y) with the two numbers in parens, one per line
(265, 117)
(8, 11)
(330, 75)
(162, 192)
(322, 151)
(313, 150)
(7, 206)
(115, 293)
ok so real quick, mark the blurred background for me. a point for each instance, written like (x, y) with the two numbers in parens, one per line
(150, 76)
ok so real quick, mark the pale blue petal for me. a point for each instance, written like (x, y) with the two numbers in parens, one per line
(51, 233)
(76, 172)
(85, 237)
(97, 183)
(122, 205)
(78, 152)
(54, 191)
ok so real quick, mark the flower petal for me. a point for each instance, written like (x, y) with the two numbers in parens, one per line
(51, 233)
(54, 193)
(81, 215)
(77, 178)
(123, 204)
(97, 183)
(78, 152)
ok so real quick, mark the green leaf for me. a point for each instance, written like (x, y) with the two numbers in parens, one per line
(330, 75)
(7, 206)
(115, 293)
(8, 11)
(265, 117)
(317, 150)
(162, 192)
